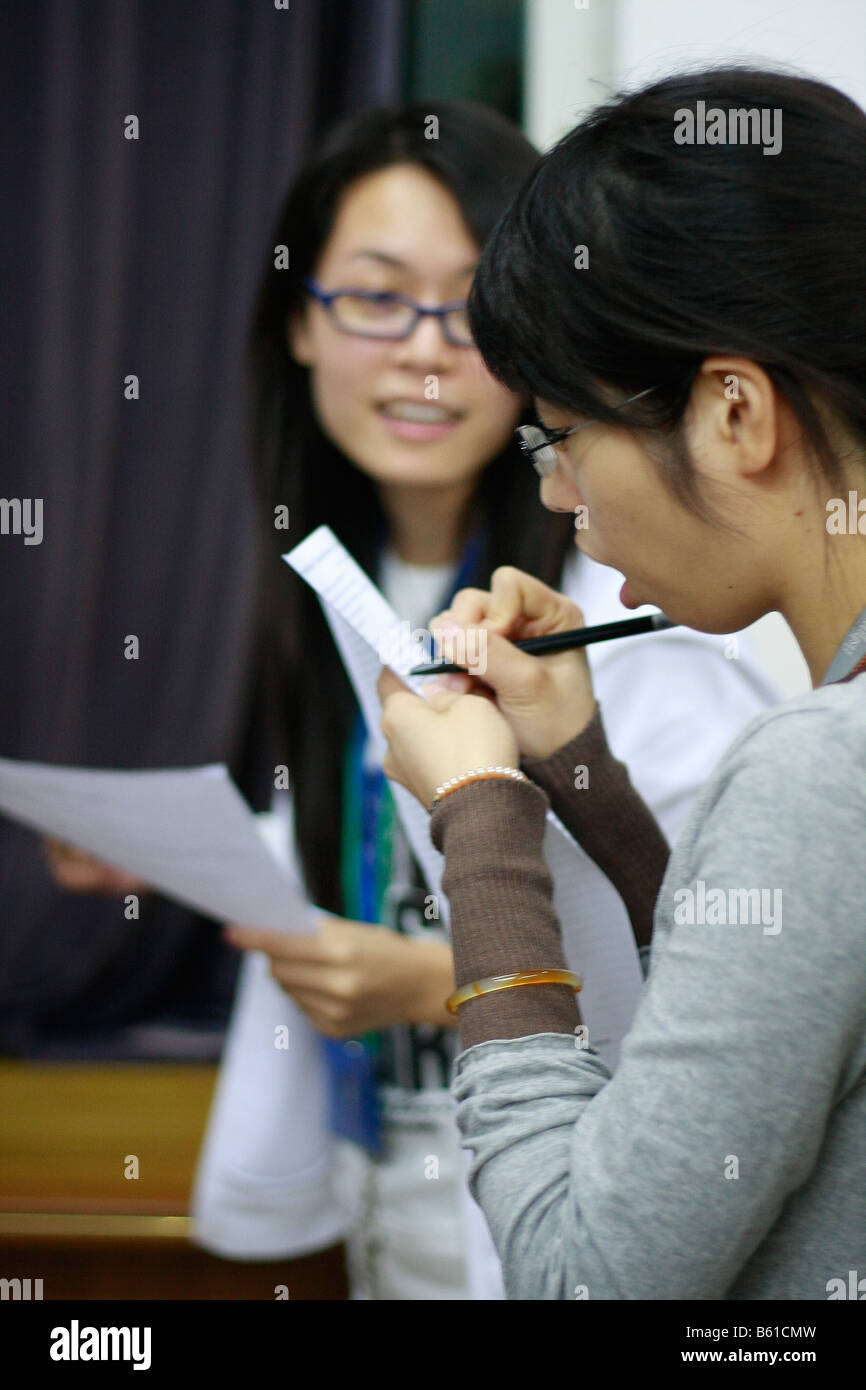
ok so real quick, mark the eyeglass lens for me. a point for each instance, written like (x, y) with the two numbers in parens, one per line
(389, 318)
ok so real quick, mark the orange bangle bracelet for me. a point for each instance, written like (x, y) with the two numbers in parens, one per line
(523, 977)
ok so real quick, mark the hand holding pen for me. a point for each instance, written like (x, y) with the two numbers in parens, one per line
(565, 641)
(545, 702)
(530, 708)
(539, 705)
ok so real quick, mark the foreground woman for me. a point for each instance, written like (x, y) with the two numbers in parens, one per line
(725, 1158)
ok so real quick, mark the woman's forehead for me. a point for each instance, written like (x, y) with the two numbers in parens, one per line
(405, 219)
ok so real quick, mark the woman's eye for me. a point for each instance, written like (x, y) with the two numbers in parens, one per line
(371, 306)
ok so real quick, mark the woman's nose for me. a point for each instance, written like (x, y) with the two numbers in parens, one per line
(557, 494)
(426, 343)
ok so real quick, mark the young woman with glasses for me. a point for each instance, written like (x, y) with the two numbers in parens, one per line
(702, 390)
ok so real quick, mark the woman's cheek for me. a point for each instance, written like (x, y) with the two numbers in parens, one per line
(494, 416)
(338, 400)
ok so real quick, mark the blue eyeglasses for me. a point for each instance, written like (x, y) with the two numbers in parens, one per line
(391, 317)
(538, 443)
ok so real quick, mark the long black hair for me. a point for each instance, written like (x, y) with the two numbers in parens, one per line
(482, 160)
(691, 250)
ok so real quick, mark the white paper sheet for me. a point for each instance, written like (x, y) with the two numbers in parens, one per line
(187, 833)
(597, 935)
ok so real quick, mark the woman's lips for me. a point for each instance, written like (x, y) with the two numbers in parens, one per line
(418, 429)
(626, 598)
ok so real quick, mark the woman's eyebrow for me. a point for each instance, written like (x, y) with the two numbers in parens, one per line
(381, 256)
(385, 258)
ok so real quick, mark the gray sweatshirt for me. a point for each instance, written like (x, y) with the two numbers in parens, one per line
(726, 1158)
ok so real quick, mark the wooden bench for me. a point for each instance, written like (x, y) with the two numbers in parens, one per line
(70, 1216)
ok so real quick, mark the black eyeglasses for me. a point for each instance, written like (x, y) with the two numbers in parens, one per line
(391, 317)
(537, 443)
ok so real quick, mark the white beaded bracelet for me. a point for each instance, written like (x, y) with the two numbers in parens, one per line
(477, 774)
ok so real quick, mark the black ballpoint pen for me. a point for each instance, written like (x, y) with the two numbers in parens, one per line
(565, 641)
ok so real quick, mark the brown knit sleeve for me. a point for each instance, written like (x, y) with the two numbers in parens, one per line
(591, 792)
(502, 917)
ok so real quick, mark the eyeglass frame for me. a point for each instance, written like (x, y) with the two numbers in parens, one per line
(546, 468)
(325, 298)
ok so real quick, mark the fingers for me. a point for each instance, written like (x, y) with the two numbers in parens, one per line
(500, 666)
(389, 683)
(65, 860)
(517, 605)
(391, 770)
(442, 696)
(511, 673)
(76, 871)
(330, 1016)
(61, 851)
(390, 686)
(461, 683)
(402, 712)
(506, 674)
(516, 595)
(74, 875)
(467, 606)
(327, 1011)
(397, 707)
(285, 946)
(295, 976)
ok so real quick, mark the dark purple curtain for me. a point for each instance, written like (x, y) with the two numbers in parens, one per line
(139, 257)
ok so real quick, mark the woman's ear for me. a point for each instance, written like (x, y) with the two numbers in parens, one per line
(299, 338)
(737, 401)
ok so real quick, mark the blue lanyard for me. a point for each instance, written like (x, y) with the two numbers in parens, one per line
(372, 782)
(354, 1095)
(850, 653)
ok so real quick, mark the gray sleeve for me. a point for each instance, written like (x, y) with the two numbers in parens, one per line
(661, 1181)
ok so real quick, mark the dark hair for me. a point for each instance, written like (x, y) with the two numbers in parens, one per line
(482, 159)
(693, 250)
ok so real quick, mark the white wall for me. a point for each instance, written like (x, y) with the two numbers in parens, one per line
(825, 40)
(569, 66)
(577, 56)
(581, 51)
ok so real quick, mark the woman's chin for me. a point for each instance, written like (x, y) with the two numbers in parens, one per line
(417, 472)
